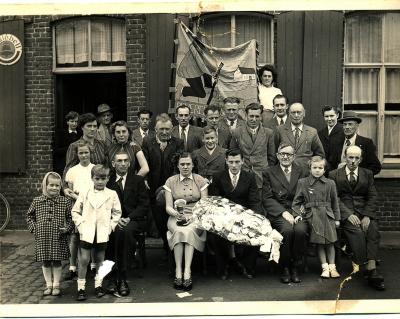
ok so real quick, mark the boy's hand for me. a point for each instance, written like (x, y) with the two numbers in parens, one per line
(123, 222)
(68, 192)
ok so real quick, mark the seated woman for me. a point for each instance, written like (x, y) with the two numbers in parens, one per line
(184, 239)
(122, 137)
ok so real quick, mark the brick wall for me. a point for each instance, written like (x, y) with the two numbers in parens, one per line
(389, 204)
(135, 65)
(40, 108)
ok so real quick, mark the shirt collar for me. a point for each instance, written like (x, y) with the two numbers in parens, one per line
(294, 127)
(142, 132)
(352, 139)
(281, 118)
(348, 171)
(229, 122)
(313, 179)
(186, 129)
(71, 131)
(283, 168)
(231, 175)
(119, 176)
(181, 178)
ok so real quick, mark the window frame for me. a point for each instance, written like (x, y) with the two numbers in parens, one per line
(389, 165)
(89, 68)
(233, 15)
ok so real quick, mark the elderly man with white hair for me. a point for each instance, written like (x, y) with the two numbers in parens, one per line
(357, 201)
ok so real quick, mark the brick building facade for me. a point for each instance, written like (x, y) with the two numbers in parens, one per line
(41, 112)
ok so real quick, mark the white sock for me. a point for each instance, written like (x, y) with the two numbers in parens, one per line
(47, 276)
(81, 284)
(57, 276)
(92, 266)
(72, 268)
(371, 264)
(97, 281)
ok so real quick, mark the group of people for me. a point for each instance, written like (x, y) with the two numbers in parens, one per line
(116, 182)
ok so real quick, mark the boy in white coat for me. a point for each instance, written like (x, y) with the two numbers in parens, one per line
(96, 214)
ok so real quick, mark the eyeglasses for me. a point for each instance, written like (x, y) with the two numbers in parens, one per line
(285, 154)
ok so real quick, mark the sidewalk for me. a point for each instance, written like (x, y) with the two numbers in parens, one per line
(22, 280)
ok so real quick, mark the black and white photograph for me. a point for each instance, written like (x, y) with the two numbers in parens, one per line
(199, 158)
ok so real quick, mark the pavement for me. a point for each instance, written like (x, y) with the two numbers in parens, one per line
(22, 280)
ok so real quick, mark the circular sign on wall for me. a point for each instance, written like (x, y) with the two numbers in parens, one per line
(10, 49)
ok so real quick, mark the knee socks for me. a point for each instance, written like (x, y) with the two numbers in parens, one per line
(47, 276)
(57, 276)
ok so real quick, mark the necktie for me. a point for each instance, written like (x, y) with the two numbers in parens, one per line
(234, 180)
(183, 137)
(163, 145)
(353, 181)
(145, 134)
(119, 182)
(296, 136)
(347, 142)
(232, 122)
(286, 170)
(281, 122)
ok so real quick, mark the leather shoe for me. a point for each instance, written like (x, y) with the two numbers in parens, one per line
(247, 273)
(224, 274)
(81, 296)
(112, 287)
(123, 288)
(376, 280)
(295, 276)
(99, 291)
(71, 275)
(285, 276)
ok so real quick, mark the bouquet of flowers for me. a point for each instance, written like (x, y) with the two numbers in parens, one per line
(237, 224)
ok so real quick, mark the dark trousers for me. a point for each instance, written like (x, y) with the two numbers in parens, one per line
(160, 217)
(295, 238)
(364, 245)
(246, 255)
(121, 247)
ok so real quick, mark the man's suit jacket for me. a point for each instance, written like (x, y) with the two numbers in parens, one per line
(194, 138)
(224, 125)
(330, 142)
(273, 123)
(369, 158)
(162, 164)
(137, 137)
(309, 143)
(277, 193)
(104, 134)
(207, 165)
(134, 198)
(245, 193)
(361, 199)
(224, 137)
(257, 155)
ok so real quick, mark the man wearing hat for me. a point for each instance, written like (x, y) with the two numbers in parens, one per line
(104, 117)
(350, 121)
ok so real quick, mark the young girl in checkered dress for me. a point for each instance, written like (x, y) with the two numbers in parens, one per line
(49, 218)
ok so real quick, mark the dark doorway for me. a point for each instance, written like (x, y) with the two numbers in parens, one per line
(83, 93)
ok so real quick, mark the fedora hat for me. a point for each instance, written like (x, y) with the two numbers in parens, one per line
(102, 108)
(350, 116)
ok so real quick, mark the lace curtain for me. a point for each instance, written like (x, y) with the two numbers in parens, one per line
(107, 41)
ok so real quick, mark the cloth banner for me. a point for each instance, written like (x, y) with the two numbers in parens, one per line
(196, 64)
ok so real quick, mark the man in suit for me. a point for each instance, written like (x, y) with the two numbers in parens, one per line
(232, 119)
(135, 203)
(210, 158)
(332, 134)
(279, 189)
(280, 107)
(213, 116)
(255, 142)
(190, 135)
(358, 202)
(144, 118)
(303, 138)
(240, 187)
(160, 152)
(104, 117)
(351, 122)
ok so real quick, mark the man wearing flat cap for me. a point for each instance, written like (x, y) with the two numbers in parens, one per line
(350, 121)
(104, 117)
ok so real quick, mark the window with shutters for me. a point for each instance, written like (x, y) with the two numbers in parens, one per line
(372, 79)
(89, 44)
(225, 30)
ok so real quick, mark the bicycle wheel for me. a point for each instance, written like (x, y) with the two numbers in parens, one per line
(4, 212)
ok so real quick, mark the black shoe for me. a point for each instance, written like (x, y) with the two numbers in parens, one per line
(81, 296)
(99, 291)
(71, 275)
(224, 274)
(123, 288)
(178, 283)
(295, 276)
(112, 287)
(188, 284)
(285, 276)
(237, 265)
(248, 274)
(375, 280)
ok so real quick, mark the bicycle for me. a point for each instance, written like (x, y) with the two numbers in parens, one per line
(4, 212)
